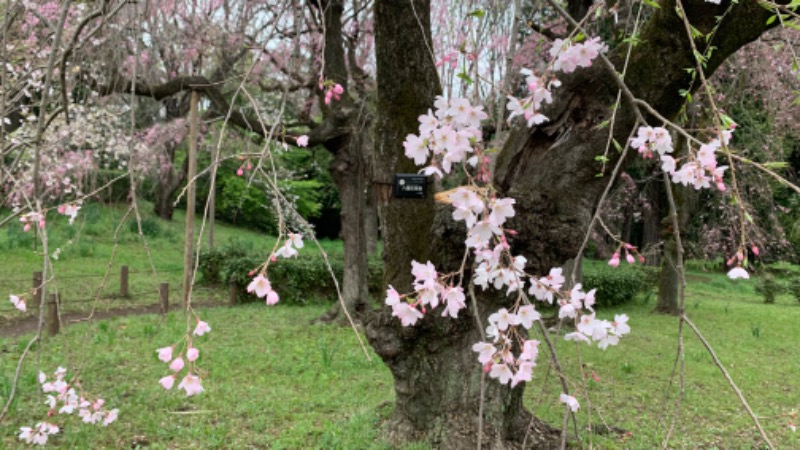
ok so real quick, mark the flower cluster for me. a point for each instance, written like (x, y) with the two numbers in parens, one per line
(539, 91)
(498, 357)
(429, 290)
(568, 56)
(191, 383)
(700, 169)
(62, 398)
(631, 254)
(333, 91)
(449, 134)
(18, 302)
(70, 210)
(260, 284)
(32, 218)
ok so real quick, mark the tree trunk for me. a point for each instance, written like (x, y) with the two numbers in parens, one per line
(437, 376)
(168, 184)
(371, 221)
(347, 170)
(551, 173)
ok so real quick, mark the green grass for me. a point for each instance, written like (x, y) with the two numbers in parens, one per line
(274, 381)
(271, 381)
(87, 248)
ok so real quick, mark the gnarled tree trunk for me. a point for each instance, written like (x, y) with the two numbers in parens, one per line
(549, 170)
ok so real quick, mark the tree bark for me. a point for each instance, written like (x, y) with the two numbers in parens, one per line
(550, 171)
(169, 182)
(437, 376)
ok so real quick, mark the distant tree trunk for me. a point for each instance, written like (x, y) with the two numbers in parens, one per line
(349, 144)
(347, 170)
(169, 182)
(371, 221)
(654, 193)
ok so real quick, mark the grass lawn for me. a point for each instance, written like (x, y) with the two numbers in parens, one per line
(86, 253)
(274, 381)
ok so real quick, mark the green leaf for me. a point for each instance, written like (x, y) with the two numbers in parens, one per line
(771, 19)
(776, 165)
(465, 77)
(601, 158)
(617, 145)
(478, 13)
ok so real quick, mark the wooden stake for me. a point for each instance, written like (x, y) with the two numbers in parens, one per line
(188, 256)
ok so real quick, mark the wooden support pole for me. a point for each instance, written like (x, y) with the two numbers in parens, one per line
(188, 255)
(51, 318)
(164, 296)
(233, 293)
(36, 295)
(123, 281)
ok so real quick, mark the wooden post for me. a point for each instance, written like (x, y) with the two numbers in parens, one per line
(164, 295)
(123, 281)
(188, 262)
(212, 211)
(37, 289)
(51, 318)
(233, 294)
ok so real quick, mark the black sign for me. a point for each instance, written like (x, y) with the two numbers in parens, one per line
(410, 185)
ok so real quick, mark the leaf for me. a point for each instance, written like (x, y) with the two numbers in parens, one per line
(478, 13)
(776, 165)
(617, 145)
(465, 77)
(771, 19)
(601, 158)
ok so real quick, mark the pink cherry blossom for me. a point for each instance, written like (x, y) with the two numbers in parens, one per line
(260, 285)
(167, 382)
(192, 354)
(201, 328)
(17, 302)
(272, 298)
(302, 141)
(177, 364)
(191, 384)
(165, 354)
(570, 401)
(738, 272)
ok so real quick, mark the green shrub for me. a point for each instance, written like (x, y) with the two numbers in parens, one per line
(794, 288)
(769, 288)
(298, 281)
(213, 260)
(150, 227)
(620, 285)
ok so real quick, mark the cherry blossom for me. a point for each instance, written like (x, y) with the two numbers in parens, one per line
(18, 302)
(192, 354)
(738, 272)
(165, 354)
(168, 381)
(302, 141)
(191, 384)
(570, 401)
(260, 285)
(201, 328)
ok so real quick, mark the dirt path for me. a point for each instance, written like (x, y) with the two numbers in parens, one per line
(18, 327)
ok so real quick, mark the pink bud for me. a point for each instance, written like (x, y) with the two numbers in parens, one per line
(487, 367)
(641, 259)
(177, 364)
(251, 273)
(239, 172)
(62, 208)
(721, 186)
(629, 247)
(41, 224)
(272, 298)
(249, 166)
(192, 354)
(167, 382)
(511, 232)
(629, 258)
(614, 261)
(338, 89)
(27, 227)
(273, 258)
(755, 250)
